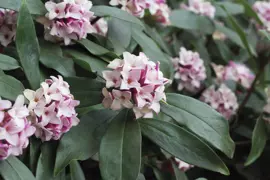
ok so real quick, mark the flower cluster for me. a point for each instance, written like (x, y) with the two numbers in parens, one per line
(237, 72)
(183, 166)
(52, 109)
(263, 10)
(15, 129)
(67, 20)
(222, 100)
(189, 70)
(134, 82)
(101, 27)
(157, 8)
(8, 20)
(200, 7)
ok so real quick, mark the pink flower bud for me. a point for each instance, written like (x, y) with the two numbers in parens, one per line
(8, 20)
(183, 166)
(263, 11)
(200, 7)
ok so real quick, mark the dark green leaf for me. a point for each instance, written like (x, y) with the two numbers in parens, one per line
(179, 175)
(182, 144)
(116, 13)
(8, 63)
(76, 171)
(153, 52)
(28, 47)
(35, 6)
(187, 20)
(120, 149)
(200, 119)
(82, 141)
(140, 177)
(10, 87)
(34, 153)
(259, 138)
(265, 33)
(232, 9)
(14, 169)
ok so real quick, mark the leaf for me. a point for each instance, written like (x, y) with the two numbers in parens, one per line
(265, 33)
(116, 13)
(35, 6)
(63, 65)
(14, 169)
(28, 47)
(179, 175)
(8, 63)
(242, 35)
(87, 91)
(76, 171)
(232, 8)
(35, 145)
(120, 149)
(259, 138)
(200, 119)
(83, 140)
(153, 52)
(119, 33)
(249, 11)
(182, 144)
(46, 162)
(187, 20)
(140, 177)
(86, 61)
(10, 87)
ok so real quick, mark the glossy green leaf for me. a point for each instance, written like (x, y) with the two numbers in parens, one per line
(88, 91)
(119, 33)
(13, 169)
(116, 13)
(187, 20)
(182, 144)
(28, 47)
(82, 141)
(35, 150)
(76, 171)
(152, 51)
(179, 175)
(86, 61)
(63, 65)
(35, 6)
(259, 138)
(232, 8)
(10, 87)
(140, 177)
(46, 162)
(120, 149)
(265, 33)
(8, 63)
(200, 119)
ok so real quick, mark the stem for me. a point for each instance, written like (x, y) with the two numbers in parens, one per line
(95, 20)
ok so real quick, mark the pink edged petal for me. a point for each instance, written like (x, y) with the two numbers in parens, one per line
(5, 104)
(116, 105)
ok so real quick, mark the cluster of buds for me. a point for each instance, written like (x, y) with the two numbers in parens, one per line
(15, 129)
(222, 100)
(183, 166)
(237, 72)
(262, 8)
(52, 109)
(8, 20)
(68, 20)
(200, 7)
(189, 70)
(157, 8)
(101, 27)
(134, 82)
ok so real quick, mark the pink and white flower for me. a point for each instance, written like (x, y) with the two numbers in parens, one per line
(101, 27)
(222, 100)
(183, 166)
(139, 86)
(15, 129)
(68, 20)
(263, 11)
(52, 108)
(200, 7)
(237, 72)
(8, 20)
(189, 70)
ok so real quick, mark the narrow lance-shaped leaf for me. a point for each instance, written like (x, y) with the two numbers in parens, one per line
(200, 119)
(120, 149)
(182, 144)
(259, 138)
(27, 46)
(14, 169)
(76, 171)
